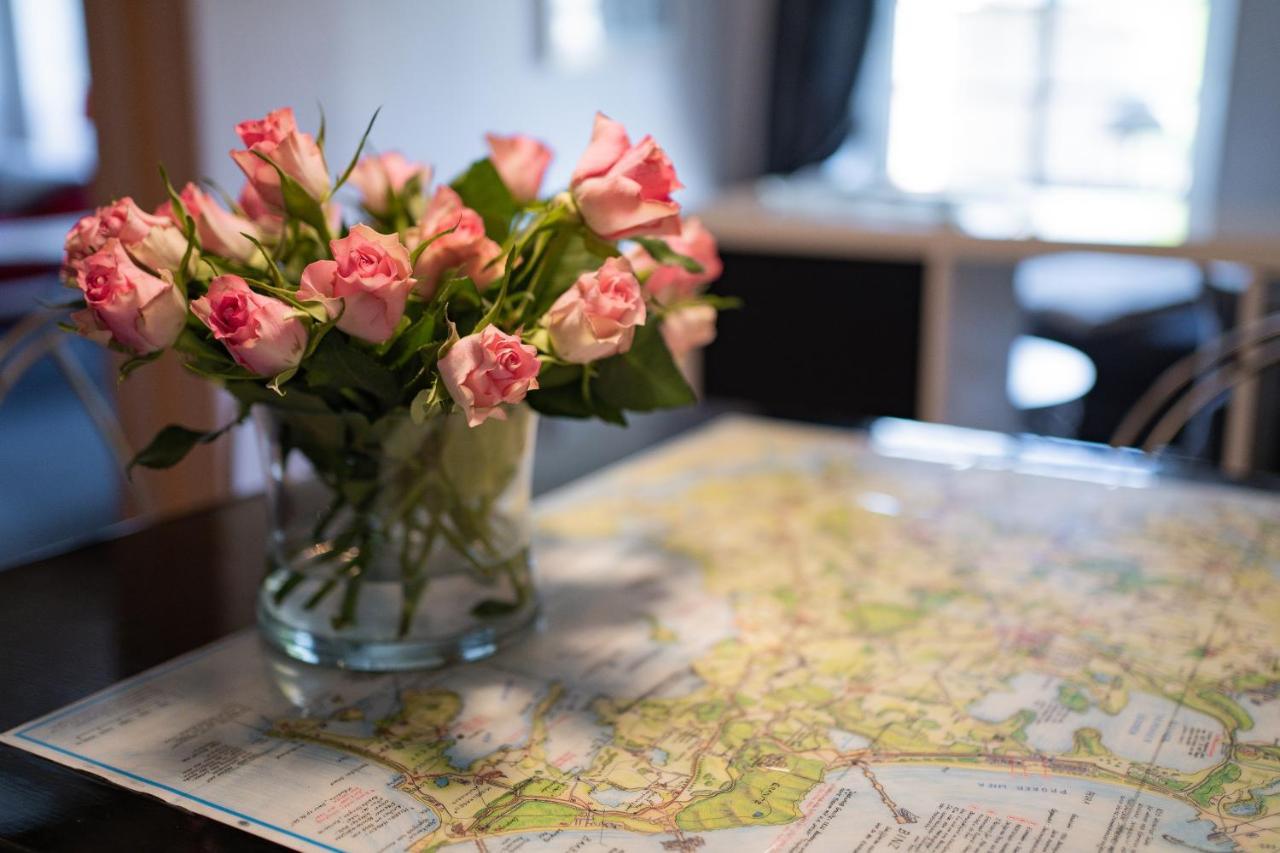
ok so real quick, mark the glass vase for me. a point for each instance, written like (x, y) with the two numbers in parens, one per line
(393, 544)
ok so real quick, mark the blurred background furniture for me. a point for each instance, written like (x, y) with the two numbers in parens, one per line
(933, 172)
(1197, 384)
(1047, 383)
(1133, 309)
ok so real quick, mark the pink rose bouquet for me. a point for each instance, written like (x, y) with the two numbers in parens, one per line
(476, 297)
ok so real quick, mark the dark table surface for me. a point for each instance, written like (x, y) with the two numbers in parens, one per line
(78, 622)
(74, 624)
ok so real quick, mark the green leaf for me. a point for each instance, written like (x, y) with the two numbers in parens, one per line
(482, 190)
(427, 402)
(250, 392)
(277, 278)
(555, 375)
(665, 255)
(188, 229)
(564, 401)
(643, 378)
(169, 447)
(422, 247)
(459, 293)
(566, 258)
(569, 401)
(281, 378)
(298, 203)
(602, 249)
(227, 199)
(204, 371)
(420, 333)
(206, 358)
(496, 307)
(720, 303)
(492, 608)
(339, 366)
(320, 132)
(184, 218)
(458, 301)
(137, 361)
(355, 158)
(173, 443)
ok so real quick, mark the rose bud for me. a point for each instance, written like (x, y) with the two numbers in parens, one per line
(669, 283)
(596, 317)
(277, 137)
(482, 371)
(152, 239)
(465, 249)
(624, 190)
(264, 335)
(380, 176)
(521, 161)
(369, 275)
(139, 311)
(689, 328)
(270, 223)
(221, 232)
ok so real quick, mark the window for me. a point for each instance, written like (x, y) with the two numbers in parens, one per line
(44, 84)
(1082, 113)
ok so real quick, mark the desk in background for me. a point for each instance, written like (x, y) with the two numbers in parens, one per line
(960, 287)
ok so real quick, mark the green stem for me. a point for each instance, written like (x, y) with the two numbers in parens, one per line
(287, 587)
(415, 580)
(346, 615)
(320, 594)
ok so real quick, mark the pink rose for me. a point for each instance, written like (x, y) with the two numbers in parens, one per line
(465, 249)
(521, 161)
(270, 223)
(297, 154)
(84, 238)
(264, 335)
(220, 231)
(483, 371)
(624, 190)
(378, 176)
(150, 238)
(670, 283)
(597, 316)
(369, 275)
(689, 328)
(139, 311)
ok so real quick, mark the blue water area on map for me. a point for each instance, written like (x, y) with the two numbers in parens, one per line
(442, 782)
(1254, 805)
(847, 741)
(616, 798)
(497, 713)
(1146, 723)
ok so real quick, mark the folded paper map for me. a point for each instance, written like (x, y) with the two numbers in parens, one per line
(770, 637)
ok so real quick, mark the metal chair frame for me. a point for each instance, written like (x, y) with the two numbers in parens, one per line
(1199, 381)
(37, 336)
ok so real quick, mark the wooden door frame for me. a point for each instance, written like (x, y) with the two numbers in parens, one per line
(142, 104)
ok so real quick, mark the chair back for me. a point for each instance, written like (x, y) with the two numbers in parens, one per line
(1199, 382)
(42, 334)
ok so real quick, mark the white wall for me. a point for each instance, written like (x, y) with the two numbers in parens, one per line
(1248, 179)
(447, 72)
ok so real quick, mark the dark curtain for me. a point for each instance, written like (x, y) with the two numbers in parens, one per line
(819, 47)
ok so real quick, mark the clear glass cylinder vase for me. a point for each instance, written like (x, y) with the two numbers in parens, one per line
(396, 545)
